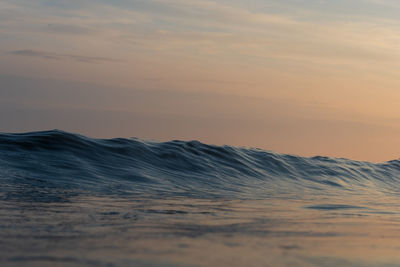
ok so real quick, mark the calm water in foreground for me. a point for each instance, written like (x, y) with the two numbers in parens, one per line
(201, 232)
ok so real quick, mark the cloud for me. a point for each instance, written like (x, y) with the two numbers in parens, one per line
(67, 29)
(229, 31)
(216, 28)
(386, 3)
(266, 34)
(56, 56)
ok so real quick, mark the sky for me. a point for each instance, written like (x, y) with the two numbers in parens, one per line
(305, 77)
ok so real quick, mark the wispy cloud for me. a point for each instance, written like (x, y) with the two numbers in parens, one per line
(386, 3)
(268, 34)
(67, 29)
(55, 56)
(216, 28)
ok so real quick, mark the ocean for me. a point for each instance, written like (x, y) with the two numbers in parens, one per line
(71, 200)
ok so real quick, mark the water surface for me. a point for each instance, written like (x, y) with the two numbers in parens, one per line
(69, 200)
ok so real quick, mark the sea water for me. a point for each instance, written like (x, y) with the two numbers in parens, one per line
(70, 200)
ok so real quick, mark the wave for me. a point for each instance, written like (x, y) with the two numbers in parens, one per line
(55, 165)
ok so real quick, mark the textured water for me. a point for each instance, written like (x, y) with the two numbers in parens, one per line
(70, 200)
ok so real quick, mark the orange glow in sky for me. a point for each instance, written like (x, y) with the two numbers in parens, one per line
(300, 77)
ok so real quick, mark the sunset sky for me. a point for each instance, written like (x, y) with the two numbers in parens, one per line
(304, 77)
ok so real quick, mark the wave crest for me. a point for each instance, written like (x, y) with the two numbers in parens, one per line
(53, 161)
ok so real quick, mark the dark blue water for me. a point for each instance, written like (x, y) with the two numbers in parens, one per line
(51, 165)
(71, 200)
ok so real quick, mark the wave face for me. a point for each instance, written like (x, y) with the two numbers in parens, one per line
(53, 165)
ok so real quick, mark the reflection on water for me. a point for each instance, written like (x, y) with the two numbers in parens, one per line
(105, 231)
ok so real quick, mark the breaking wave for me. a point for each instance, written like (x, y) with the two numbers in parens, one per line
(53, 165)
